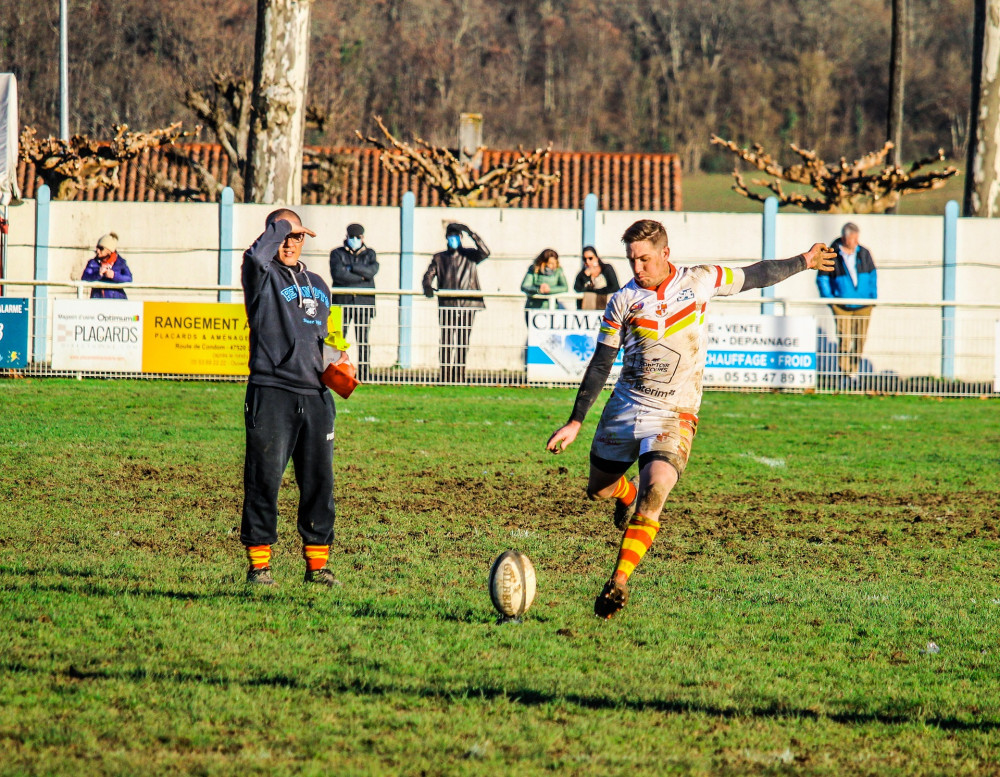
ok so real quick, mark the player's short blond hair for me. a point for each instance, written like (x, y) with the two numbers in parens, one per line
(646, 229)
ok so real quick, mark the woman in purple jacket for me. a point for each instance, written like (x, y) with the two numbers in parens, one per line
(109, 267)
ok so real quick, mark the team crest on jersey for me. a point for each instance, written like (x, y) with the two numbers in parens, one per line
(311, 307)
(685, 295)
(661, 309)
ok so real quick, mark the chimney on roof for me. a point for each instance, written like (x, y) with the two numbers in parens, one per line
(470, 138)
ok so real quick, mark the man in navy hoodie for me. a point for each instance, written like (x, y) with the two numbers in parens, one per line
(289, 413)
(853, 277)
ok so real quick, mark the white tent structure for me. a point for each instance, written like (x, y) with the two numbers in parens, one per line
(8, 156)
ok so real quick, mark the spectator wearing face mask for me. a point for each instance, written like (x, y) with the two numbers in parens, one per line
(354, 265)
(456, 268)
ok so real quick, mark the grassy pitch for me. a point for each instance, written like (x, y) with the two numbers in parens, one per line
(781, 622)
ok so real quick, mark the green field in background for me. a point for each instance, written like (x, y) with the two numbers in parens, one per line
(712, 192)
(780, 623)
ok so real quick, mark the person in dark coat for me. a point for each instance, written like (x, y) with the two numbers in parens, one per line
(354, 265)
(288, 412)
(107, 266)
(596, 281)
(456, 268)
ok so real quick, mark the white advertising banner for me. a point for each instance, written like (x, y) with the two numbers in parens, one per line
(95, 335)
(761, 351)
(560, 344)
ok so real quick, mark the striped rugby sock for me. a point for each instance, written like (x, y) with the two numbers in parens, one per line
(639, 535)
(624, 491)
(259, 556)
(316, 556)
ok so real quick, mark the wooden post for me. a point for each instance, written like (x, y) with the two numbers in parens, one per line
(897, 80)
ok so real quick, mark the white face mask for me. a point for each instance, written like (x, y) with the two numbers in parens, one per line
(354, 243)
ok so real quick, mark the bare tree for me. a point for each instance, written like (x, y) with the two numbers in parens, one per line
(866, 185)
(277, 134)
(224, 106)
(457, 182)
(982, 186)
(897, 78)
(67, 166)
(897, 82)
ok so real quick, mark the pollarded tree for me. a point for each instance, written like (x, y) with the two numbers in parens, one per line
(866, 185)
(224, 106)
(68, 166)
(459, 183)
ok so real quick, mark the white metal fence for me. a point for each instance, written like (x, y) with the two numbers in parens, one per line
(937, 348)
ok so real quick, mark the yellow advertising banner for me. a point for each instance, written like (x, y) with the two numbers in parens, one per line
(195, 338)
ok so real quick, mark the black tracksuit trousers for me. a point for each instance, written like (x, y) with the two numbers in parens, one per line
(283, 425)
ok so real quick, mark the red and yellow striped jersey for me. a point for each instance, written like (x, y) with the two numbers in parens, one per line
(662, 333)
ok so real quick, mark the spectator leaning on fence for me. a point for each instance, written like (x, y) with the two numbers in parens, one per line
(544, 277)
(107, 266)
(354, 265)
(288, 413)
(596, 281)
(456, 268)
(853, 277)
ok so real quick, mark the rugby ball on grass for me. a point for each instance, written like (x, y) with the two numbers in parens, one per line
(512, 584)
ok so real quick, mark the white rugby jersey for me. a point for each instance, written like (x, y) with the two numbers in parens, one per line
(662, 331)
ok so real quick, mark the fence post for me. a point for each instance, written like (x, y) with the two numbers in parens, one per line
(769, 247)
(589, 220)
(406, 214)
(226, 243)
(948, 284)
(40, 331)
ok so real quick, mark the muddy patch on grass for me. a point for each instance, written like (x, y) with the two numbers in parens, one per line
(556, 502)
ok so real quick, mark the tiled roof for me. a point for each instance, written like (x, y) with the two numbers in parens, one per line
(620, 181)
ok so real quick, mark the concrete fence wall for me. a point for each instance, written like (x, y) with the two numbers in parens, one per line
(920, 258)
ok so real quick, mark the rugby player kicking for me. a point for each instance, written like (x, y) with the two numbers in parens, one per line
(658, 319)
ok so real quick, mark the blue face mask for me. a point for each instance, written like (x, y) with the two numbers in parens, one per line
(354, 243)
(454, 241)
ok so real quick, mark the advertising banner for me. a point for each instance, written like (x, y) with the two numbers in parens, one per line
(196, 338)
(13, 333)
(92, 335)
(560, 344)
(761, 351)
(765, 351)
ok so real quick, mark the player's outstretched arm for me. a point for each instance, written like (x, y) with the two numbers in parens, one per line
(772, 271)
(590, 388)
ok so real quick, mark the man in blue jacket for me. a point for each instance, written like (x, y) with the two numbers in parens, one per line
(853, 277)
(289, 413)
